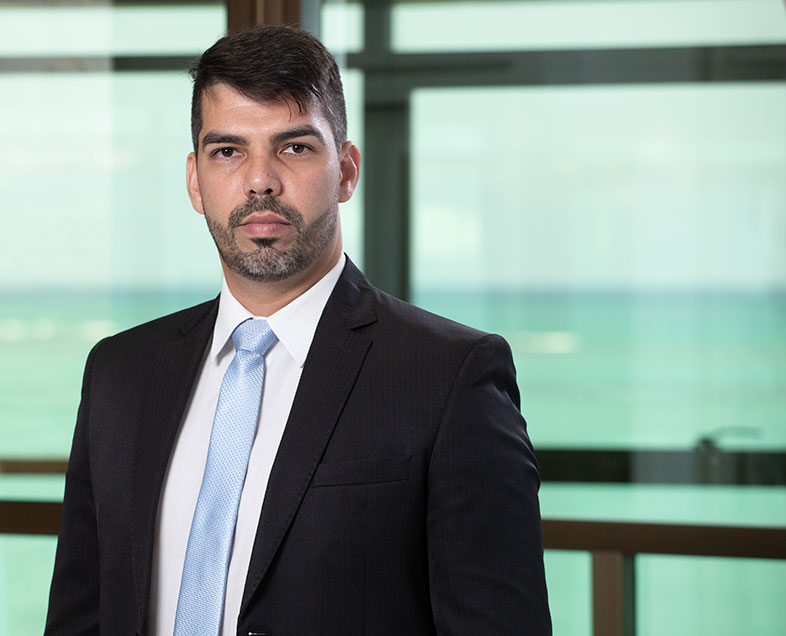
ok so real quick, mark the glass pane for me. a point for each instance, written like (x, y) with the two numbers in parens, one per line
(25, 572)
(28, 487)
(106, 30)
(685, 596)
(564, 24)
(112, 148)
(649, 503)
(630, 242)
(341, 30)
(569, 583)
(352, 210)
(99, 233)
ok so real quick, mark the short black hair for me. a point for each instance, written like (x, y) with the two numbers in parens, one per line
(269, 63)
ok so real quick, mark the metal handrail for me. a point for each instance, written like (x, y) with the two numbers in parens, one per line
(42, 518)
(613, 546)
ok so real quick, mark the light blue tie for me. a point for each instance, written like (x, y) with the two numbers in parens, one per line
(200, 604)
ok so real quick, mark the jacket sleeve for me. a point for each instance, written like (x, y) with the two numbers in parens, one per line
(485, 549)
(74, 593)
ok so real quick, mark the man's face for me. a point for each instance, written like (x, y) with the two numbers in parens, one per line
(268, 180)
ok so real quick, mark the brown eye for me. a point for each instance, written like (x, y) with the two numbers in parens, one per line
(227, 152)
(296, 149)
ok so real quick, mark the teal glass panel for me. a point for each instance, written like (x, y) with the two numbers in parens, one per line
(505, 25)
(569, 582)
(685, 596)
(757, 506)
(341, 29)
(101, 234)
(630, 242)
(30, 487)
(103, 30)
(26, 564)
(352, 210)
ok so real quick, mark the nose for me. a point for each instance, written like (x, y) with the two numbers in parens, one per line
(261, 177)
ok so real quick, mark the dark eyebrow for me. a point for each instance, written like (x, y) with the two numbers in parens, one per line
(215, 137)
(300, 131)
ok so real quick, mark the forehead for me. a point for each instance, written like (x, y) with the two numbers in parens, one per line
(224, 106)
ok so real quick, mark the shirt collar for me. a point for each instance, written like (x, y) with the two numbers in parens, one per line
(294, 324)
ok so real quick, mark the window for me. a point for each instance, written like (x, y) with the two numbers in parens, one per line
(98, 231)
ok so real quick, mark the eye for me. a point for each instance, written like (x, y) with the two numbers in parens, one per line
(296, 149)
(224, 153)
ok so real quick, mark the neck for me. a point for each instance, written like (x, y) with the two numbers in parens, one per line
(266, 298)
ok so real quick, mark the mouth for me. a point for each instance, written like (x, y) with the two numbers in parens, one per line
(263, 225)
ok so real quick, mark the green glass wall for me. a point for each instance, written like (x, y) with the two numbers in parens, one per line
(98, 232)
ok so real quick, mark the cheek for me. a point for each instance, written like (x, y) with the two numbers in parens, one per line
(218, 194)
(322, 190)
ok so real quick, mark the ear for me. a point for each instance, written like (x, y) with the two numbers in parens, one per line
(349, 159)
(192, 183)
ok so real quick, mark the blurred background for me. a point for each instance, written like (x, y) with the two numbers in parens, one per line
(603, 182)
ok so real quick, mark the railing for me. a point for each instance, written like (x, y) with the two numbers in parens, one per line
(613, 547)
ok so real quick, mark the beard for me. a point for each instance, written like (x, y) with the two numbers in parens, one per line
(267, 263)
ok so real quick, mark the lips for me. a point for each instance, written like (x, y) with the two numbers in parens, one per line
(264, 218)
(262, 224)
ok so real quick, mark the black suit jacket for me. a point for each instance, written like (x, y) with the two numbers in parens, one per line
(402, 500)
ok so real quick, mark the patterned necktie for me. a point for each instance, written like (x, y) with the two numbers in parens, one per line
(200, 604)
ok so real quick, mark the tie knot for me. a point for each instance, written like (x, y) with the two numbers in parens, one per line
(253, 335)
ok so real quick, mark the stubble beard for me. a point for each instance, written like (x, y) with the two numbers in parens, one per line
(267, 263)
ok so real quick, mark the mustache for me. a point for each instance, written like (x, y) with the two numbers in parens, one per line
(265, 204)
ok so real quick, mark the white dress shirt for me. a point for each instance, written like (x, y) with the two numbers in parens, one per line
(294, 326)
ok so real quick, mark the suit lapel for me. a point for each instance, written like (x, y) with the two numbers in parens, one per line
(173, 374)
(333, 363)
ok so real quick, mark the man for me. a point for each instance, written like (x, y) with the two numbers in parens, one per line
(386, 484)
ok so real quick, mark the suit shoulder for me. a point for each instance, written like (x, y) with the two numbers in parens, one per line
(399, 315)
(401, 326)
(439, 352)
(160, 330)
